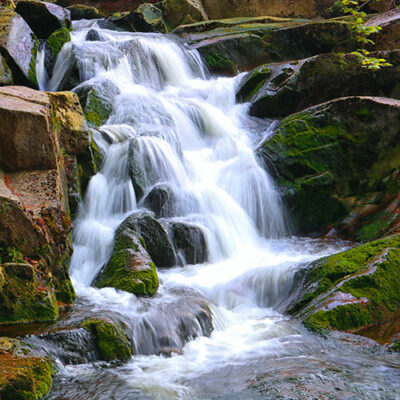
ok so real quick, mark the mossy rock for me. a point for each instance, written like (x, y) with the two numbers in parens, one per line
(148, 18)
(294, 86)
(110, 339)
(81, 11)
(24, 296)
(130, 267)
(329, 159)
(97, 100)
(6, 76)
(355, 289)
(54, 44)
(177, 12)
(23, 376)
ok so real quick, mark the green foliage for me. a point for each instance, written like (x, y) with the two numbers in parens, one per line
(362, 32)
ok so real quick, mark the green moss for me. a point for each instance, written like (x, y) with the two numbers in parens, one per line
(111, 341)
(96, 111)
(24, 378)
(24, 297)
(57, 40)
(32, 64)
(219, 64)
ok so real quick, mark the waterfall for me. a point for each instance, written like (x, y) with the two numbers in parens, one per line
(41, 72)
(174, 126)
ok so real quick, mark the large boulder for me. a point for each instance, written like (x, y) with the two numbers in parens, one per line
(277, 90)
(154, 236)
(352, 290)
(18, 45)
(130, 267)
(178, 12)
(336, 164)
(43, 18)
(22, 374)
(238, 45)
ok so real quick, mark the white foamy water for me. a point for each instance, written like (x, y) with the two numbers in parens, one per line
(186, 131)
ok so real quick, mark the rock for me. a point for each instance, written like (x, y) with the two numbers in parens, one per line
(43, 18)
(6, 76)
(34, 214)
(148, 18)
(80, 11)
(154, 236)
(130, 267)
(18, 46)
(23, 375)
(166, 202)
(189, 242)
(97, 100)
(25, 296)
(217, 9)
(93, 36)
(277, 90)
(352, 290)
(25, 126)
(54, 44)
(336, 165)
(110, 339)
(178, 12)
(389, 36)
(242, 46)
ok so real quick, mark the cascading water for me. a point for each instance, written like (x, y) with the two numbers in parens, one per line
(185, 130)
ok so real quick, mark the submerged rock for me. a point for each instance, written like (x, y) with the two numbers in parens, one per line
(18, 45)
(352, 290)
(336, 164)
(111, 341)
(43, 18)
(23, 375)
(130, 267)
(277, 90)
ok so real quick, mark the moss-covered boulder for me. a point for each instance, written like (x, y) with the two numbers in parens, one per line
(148, 18)
(24, 294)
(97, 100)
(130, 267)
(154, 236)
(352, 290)
(337, 165)
(81, 11)
(242, 45)
(54, 44)
(18, 45)
(277, 90)
(178, 12)
(23, 376)
(111, 341)
(42, 17)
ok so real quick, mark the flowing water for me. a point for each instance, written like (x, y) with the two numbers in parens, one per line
(187, 132)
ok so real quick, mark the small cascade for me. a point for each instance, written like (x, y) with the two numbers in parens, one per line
(41, 72)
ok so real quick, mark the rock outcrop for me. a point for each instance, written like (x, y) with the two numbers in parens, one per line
(337, 166)
(352, 290)
(41, 135)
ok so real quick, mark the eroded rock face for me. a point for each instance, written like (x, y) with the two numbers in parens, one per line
(277, 90)
(34, 211)
(43, 18)
(18, 45)
(336, 165)
(351, 290)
